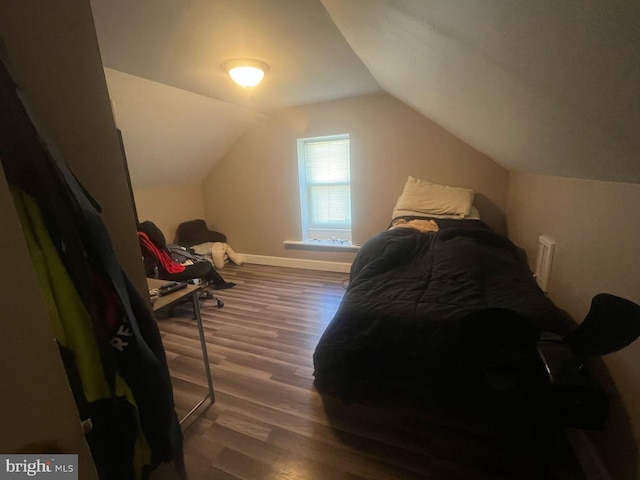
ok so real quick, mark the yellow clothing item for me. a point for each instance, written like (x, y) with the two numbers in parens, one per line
(72, 323)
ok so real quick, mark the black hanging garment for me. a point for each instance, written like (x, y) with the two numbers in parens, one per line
(109, 341)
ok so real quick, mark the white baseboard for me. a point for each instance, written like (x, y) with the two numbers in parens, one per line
(591, 463)
(297, 263)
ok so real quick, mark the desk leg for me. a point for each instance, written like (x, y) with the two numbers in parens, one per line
(205, 355)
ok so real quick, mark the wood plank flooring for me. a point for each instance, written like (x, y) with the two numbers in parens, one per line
(270, 422)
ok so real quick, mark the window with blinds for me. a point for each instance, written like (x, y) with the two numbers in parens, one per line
(325, 189)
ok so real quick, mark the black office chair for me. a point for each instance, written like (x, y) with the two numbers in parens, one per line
(611, 324)
(201, 271)
(574, 396)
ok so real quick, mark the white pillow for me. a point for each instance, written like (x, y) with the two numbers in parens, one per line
(433, 199)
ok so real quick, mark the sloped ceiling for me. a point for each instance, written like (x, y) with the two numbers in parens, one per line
(545, 87)
(540, 86)
(163, 57)
(172, 135)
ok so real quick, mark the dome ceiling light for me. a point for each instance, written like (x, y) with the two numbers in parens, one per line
(245, 72)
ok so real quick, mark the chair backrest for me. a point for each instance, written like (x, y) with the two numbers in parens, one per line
(195, 232)
(154, 234)
(612, 323)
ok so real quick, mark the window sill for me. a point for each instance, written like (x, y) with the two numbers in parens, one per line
(321, 246)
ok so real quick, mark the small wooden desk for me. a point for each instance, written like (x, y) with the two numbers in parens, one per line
(167, 301)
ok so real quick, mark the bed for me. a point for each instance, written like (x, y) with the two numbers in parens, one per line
(437, 295)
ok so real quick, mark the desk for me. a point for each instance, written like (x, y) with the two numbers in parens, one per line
(167, 301)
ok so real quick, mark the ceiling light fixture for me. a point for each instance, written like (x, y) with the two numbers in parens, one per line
(245, 72)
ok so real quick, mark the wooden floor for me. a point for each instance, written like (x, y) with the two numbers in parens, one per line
(269, 421)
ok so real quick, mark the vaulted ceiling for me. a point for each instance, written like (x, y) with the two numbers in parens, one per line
(540, 86)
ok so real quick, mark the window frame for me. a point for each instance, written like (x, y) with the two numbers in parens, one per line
(333, 233)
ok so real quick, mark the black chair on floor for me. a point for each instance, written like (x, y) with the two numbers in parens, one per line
(574, 396)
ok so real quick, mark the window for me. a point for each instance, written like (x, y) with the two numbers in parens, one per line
(325, 189)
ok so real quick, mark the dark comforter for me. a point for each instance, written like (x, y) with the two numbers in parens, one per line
(443, 297)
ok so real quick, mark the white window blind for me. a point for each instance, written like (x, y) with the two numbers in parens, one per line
(325, 190)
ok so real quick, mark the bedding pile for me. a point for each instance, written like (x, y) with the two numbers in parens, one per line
(440, 297)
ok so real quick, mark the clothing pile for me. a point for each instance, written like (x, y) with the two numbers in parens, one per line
(174, 262)
(195, 235)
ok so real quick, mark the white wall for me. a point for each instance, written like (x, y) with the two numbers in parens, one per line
(597, 229)
(168, 207)
(252, 194)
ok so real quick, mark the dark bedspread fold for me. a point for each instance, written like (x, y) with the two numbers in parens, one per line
(440, 295)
